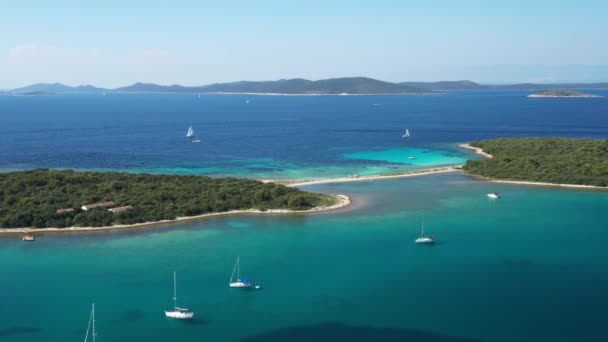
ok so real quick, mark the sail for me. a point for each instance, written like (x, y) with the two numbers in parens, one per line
(190, 133)
(236, 269)
(406, 134)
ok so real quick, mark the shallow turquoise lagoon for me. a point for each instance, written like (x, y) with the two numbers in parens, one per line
(413, 157)
(528, 267)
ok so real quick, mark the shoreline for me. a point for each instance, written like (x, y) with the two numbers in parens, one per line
(343, 201)
(480, 152)
(274, 94)
(563, 96)
(453, 168)
(540, 184)
(477, 150)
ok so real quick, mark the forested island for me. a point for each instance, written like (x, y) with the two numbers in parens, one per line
(546, 160)
(299, 86)
(51, 198)
(35, 93)
(562, 93)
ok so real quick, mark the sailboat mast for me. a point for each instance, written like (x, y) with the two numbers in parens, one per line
(423, 226)
(174, 291)
(238, 268)
(93, 314)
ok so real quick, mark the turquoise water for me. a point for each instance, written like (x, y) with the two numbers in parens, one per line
(528, 267)
(423, 158)
(275, 137)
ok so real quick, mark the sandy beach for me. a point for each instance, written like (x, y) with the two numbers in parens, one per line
(572, 186)
(454, 168)
(476, 150)
(343, 201)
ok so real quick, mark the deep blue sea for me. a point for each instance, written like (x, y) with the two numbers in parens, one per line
(531, 266)
(275, 137)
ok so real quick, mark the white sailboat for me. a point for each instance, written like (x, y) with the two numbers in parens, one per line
(177, 312)
(493, 195)
(424, 238)
(192, 135)
(91, 326)
(406, 134)
(238, 283)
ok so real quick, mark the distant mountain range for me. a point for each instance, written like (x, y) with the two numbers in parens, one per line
(333, 86)
(57, 88)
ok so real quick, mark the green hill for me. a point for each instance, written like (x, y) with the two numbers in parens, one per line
(334, 86)
(551, 160)
(32, 198)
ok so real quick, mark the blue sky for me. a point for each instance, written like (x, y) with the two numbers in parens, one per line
(113, 43)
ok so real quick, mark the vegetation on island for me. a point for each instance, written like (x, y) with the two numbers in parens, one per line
(550, 160)
(33, 198)
(333, 86)
(35, 93)
(350, 85)
(562, 93)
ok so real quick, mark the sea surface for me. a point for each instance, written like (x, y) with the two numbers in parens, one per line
(531, 266)
(276, 137)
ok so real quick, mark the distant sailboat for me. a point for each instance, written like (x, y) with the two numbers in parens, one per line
(238, 283)
(192, 135)
(424, 239)
(91, 326)
(406, 134)
(177, 312)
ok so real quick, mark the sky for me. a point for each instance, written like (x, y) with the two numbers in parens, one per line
(115, 43)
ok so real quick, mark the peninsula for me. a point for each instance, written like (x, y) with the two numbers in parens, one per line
(64, 199)
(544, 161)
(562, 93)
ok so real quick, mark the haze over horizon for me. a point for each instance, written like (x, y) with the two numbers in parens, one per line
(114, 44)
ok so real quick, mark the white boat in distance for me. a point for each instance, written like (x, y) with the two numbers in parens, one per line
(192, 135)
(424, 239)
(493, 195)
(238, 283)
(406, 134)
(177, 312)
(91, 324)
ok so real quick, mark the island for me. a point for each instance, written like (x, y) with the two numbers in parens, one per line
(35, 93)
(562, 93)
(556, 161)
(68, 199)
(295, 86)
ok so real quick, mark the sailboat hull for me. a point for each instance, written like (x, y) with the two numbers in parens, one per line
(179, 314)
(425, 239)
(240, 284)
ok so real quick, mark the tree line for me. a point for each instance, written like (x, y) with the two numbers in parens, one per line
(32, 198)
(552, 160)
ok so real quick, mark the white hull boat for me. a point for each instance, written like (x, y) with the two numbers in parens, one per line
(192, 135)
(177, 312)
(424, 239)
(238, 283)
